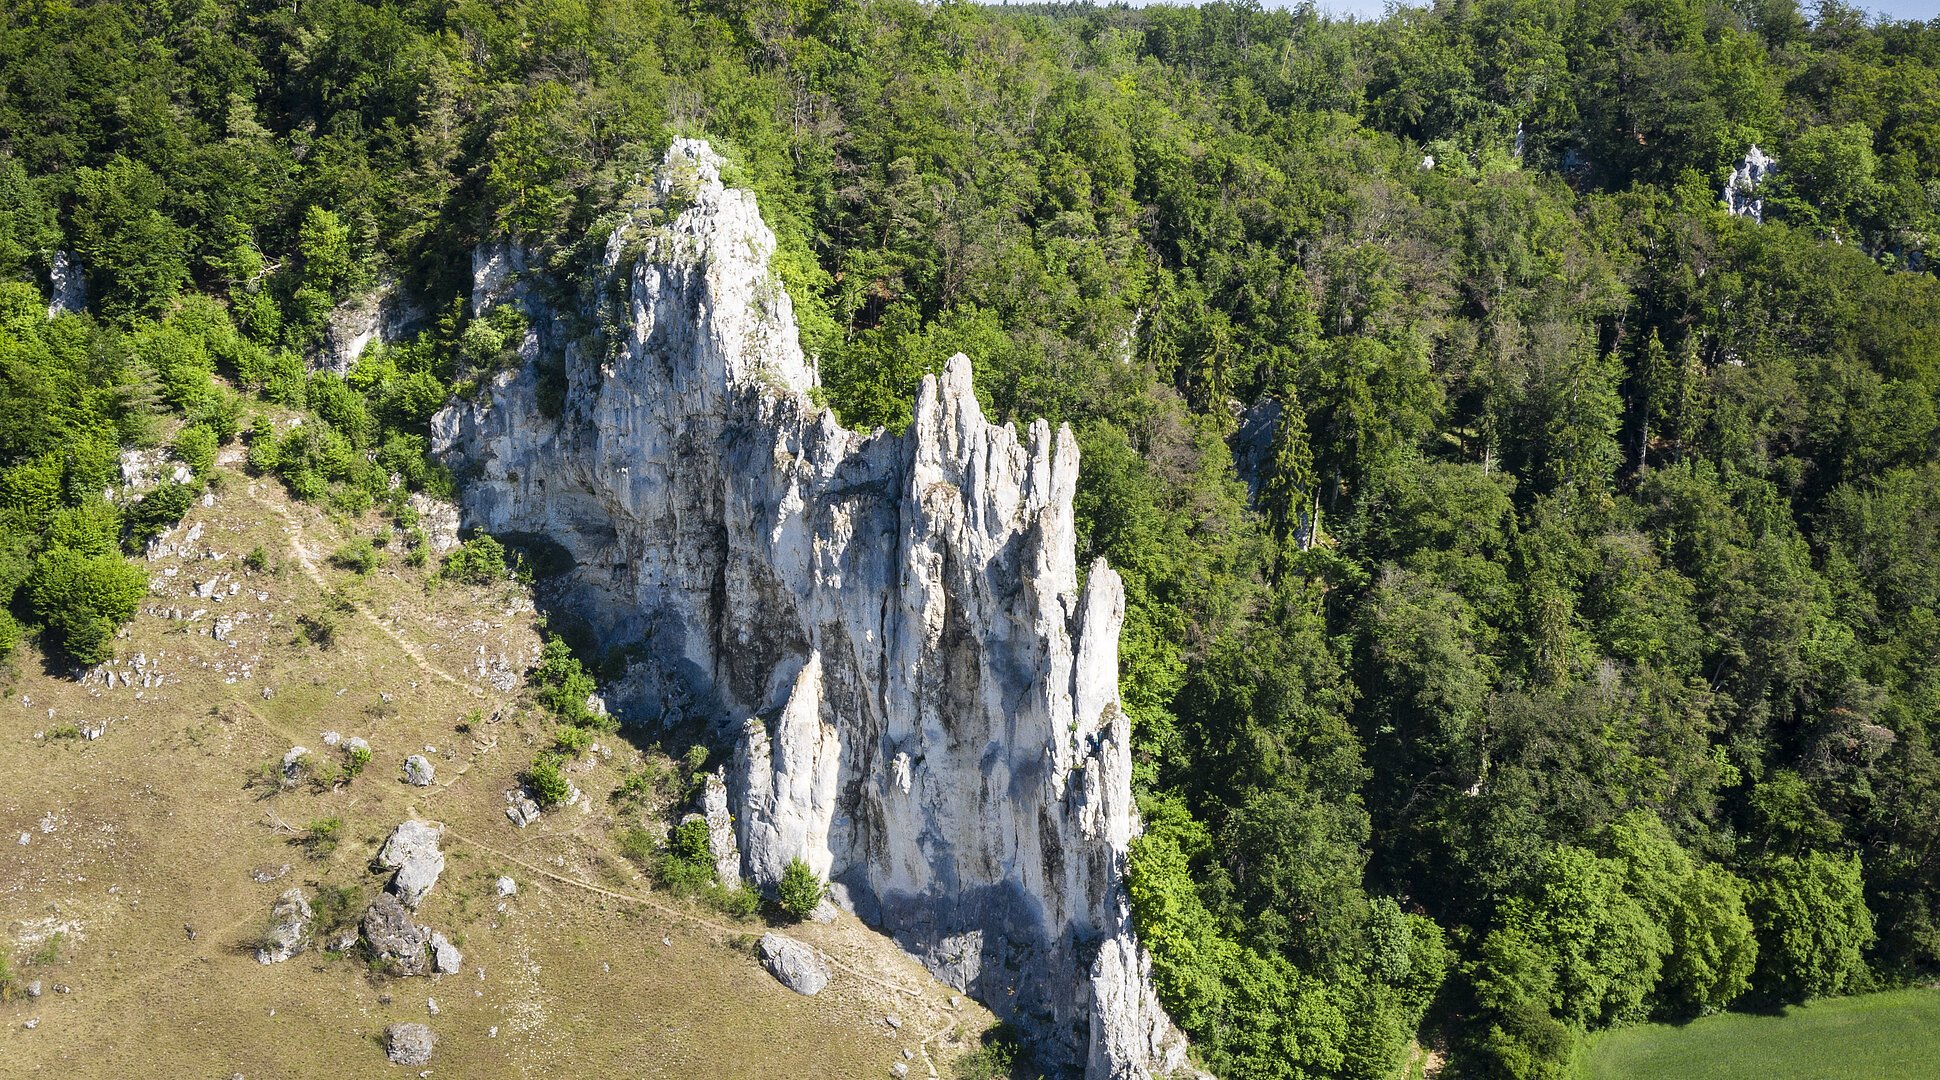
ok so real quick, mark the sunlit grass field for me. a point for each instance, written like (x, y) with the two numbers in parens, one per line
(1890, 1036)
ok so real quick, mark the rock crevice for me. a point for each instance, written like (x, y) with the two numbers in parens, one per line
(890, 630)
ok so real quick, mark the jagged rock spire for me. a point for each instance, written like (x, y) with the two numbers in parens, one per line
(889, 629)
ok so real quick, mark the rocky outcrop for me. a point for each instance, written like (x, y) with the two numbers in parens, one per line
(721, 841)
(383, 315)
(445, 957)
(67, 285)
(1741, 197)
(418, 771)
(891, 632)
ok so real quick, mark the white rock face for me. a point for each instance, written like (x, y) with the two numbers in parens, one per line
(445, 957)
(1740, 192)
(923, 703)
(385, 315)
(70, 285)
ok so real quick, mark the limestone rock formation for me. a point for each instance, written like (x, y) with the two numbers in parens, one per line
(409, 1044)
(445, 957)
(792, 963)
(69, 286)
(1741, 198)
(289, 928)
(721, 841)
(418, 771)
(395, 938)
(385, 314)
(412, 850)
(890, 630)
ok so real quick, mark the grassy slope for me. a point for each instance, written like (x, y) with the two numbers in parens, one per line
(154, 827)
(1888, 1036)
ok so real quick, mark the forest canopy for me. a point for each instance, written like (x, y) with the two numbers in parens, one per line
(1532, 568)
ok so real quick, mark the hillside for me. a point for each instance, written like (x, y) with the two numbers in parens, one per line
(164, 822)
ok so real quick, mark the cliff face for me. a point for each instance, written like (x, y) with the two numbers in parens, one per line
(889, 629)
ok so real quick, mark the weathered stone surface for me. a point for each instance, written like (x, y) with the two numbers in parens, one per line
(445, 957)
(412, 850)
(720, 828)
(384, 314)
(520, 808)
(418, 771)
(889, 628)
(1741, 198)
(409, 1044)
(289, 928)
(438, 519)
(395, 938)
(507, 887)
(69, 285)
(793, 964)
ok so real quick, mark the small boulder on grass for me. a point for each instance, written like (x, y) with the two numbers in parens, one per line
(409, 1044)
(418, 771)
(793, 964)
(289, 928)
(445, 957)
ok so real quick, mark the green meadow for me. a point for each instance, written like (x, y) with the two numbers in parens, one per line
(1893, 1035)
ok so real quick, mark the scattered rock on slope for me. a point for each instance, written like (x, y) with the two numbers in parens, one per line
(520, 808)
(395, 938)
(412, 851)
(793, 964)
(418, 771)
(409, 1044)
(445, 957)
(289, 928)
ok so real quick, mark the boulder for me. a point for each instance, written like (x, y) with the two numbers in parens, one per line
(409, 1044)
(507, 887)
(395, 938)
(445, 957)
(793, 964)
(522, 811)
(289, 928)
(418, 771)
(412, 850)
